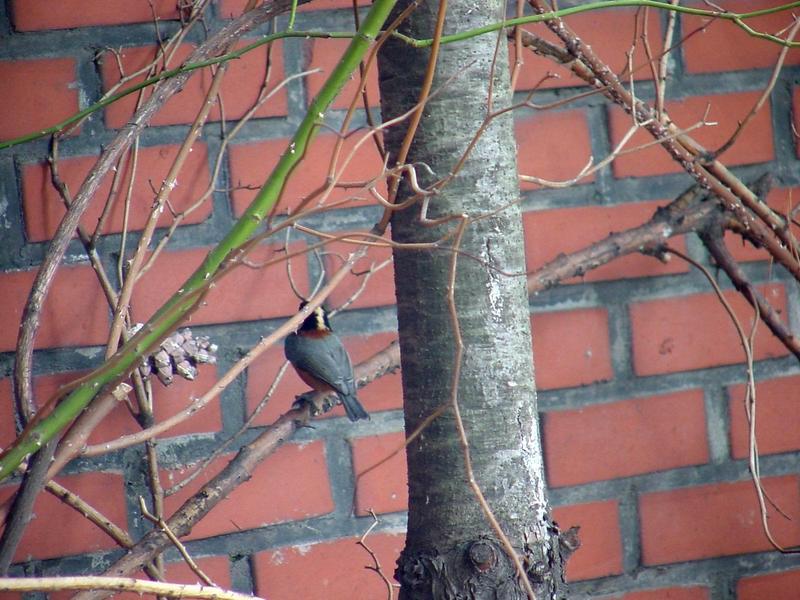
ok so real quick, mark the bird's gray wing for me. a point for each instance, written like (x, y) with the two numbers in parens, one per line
(343, 358)
(324, 358)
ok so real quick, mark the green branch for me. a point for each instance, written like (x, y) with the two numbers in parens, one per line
(192, 291)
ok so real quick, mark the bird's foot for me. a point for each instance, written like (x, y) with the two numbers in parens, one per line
(318, 403)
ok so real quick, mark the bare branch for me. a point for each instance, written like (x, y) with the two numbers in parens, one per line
(117, 584)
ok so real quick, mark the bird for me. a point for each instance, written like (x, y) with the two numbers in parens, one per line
(321, 361)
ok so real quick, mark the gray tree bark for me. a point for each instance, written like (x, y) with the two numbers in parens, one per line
(451, 550)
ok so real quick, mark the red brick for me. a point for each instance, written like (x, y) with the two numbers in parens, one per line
(44, 207)
(239, 92)
(753, 146)
(382, 489)
(777, 417)
(233, 8)
(292, 484)
(385, 393)
(571, 348)
(216, 567)
(379, 290)
(782, 200)
(676, 593)
(600, 553)
(775, 586)
(37, 93)
(565, 135)
(610, 48)
(625, 438)
(243, 294)
(333, 570)
(325, 54)
(168, 401)
(8, 431)
(260, 376)
(30, 15)
(75, 312)
(252, 163)
(550, 233)
(734, 48)
(382, 394)
(695, 332)
(715, 520)
(104, 491)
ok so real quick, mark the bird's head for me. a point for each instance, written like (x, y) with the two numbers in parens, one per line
(317, 321)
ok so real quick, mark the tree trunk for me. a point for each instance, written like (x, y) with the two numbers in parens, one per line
(451, 549)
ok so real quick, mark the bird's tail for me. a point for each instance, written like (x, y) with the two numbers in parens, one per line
(353, 407)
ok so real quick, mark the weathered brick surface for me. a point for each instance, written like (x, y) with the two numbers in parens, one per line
(284, 573)
(545, 240)
(725, 111)
(734, 48)
(358, 162)
(568, 146)
(639, 367)
(676, 593)
(102, 490)
(611, 48)
(30, 15)
(600, 554)
(578, 358)
(776, 414)
(778, 586)
(75, 314)
(291, 485)
(233, 8)
(324, 56)
(625, 438)
(379, 465)
(714, 520)
(240, 298)
(240, 90)
(680, 334)
(37, 93)
(371, 282)
(44, 206)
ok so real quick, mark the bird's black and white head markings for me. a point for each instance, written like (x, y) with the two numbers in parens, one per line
(317, 321)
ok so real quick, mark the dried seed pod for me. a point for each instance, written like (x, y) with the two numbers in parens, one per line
(179, 354)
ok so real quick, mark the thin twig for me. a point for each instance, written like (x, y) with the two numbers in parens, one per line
(776, 71)
(716, 247)
(164, 191)
(161, 524)
(118, 584)
(376, 563)
(747, 345)
(105, 524)
(232, 373)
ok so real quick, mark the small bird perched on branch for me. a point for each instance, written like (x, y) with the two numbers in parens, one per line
(321, 361)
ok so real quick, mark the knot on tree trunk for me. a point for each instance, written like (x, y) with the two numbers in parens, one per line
(479, 566)
(482, 556)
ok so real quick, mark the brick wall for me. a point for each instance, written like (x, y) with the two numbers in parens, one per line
(639, 368)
